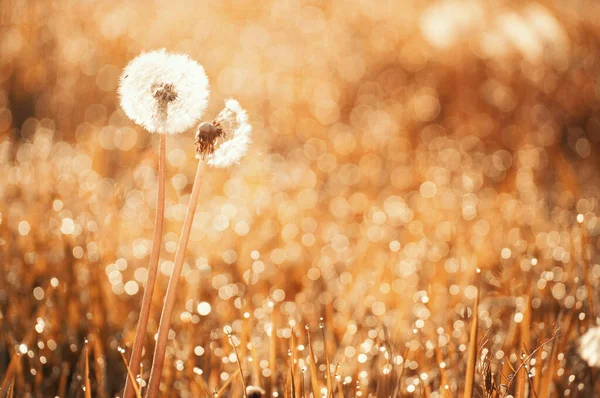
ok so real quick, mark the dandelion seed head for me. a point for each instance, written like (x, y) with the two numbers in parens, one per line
(225, 141)
(164, 93)
(206, 139)
(589, 347)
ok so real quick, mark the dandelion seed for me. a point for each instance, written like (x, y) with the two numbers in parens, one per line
(225, 141)
(164, 93)
(589, 347)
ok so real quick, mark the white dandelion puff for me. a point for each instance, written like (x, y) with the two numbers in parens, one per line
(589, 347)
(225, 141)
(164, 93)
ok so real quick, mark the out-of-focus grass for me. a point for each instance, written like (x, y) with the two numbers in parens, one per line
(398, 147)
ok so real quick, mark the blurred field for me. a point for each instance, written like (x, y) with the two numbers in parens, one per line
(397, 148)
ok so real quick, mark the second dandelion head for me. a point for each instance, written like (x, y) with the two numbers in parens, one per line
(225, 141)
(206, 139)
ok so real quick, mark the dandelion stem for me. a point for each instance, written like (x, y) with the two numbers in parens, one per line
(142, 326)
(171, 296)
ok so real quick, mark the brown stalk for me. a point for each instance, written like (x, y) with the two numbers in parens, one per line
(340, 389)
(591, 319)
(548, 374)
(142, 326)
(327, 363)
(546, 384)
(539, 363)
(86, 375)
(62, 384)
(100, 368)
(255, 367)
(295, 391)
(472, 355)
(226, 384)
(238, 360)
(440, 359)
(273, 351)
(171, 295)
(522, 379)
(292, 381)
(28, 340)
(314, 380)
(136, 388)
(525, 361)
(11, 388)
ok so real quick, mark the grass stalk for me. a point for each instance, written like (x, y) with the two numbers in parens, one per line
(28, 340)
(472, 354)
(522, 379)
(314, 379)
(327, 363)
(86, 375)
(225, 385)
(591, 319)
(273, 352)
(238, 360)
(130, 375)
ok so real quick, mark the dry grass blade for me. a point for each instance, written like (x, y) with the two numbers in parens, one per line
(100, 368)
(525, 361)
(134, 383)
(255, 366)
(399, 379)
(11, 388)
(521, 376)
(293, 363)
(62, 384)
(327, 363)
(28, 340)
(340, 386)
(9, 373)
(227, 383)
(522, 379)
(472, 354)
(86, 374)
(586, 280)
(548, 375)
(273, 351)
(443, 377)
(314, 379)
(292, 381)
(539, 362)
(239, 363)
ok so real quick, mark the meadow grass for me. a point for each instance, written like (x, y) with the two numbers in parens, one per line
(416, 215)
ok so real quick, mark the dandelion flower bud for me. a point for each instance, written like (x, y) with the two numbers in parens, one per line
(225, 141)
(589, 347)
(164, 93)
(254, 392)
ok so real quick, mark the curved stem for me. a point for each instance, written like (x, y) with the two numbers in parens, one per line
(171, 296)
(140, 332)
